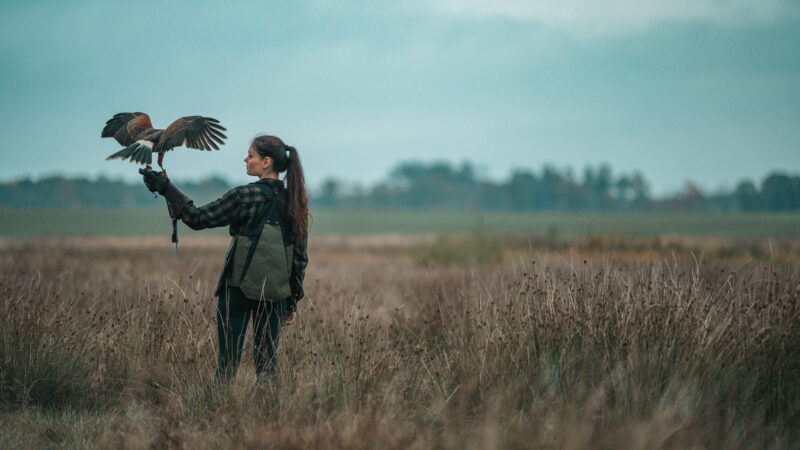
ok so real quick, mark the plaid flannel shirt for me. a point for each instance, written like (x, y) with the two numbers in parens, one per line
(239, 209)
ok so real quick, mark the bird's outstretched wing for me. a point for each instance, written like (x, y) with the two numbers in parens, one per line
(124, 127)
(202, 133)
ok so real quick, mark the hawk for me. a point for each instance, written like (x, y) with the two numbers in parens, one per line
(141, 140)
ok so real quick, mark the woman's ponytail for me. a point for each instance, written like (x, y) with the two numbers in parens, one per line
(298, 197)
(285, 158)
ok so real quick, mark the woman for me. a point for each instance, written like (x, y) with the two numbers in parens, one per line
(265, 265)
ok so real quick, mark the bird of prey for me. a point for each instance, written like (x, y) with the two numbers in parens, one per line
(141, 140)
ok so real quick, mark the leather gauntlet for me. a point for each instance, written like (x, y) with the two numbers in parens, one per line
(176, 200)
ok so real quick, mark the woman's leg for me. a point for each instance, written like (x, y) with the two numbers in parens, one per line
(233, 313)
(267, 323)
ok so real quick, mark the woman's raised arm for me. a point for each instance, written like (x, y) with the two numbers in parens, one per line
(221, 212)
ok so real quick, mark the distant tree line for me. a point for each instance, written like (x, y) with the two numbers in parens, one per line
(414, 185)
(62, 192)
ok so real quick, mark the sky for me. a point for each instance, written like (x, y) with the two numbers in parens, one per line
(701, 90)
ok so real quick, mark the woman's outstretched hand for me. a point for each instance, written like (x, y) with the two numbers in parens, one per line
(155, 181)
(289, 317)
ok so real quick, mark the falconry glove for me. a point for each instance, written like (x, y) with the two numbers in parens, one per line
(155, 181)
(176, 200)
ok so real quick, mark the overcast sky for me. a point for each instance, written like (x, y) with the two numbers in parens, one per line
(705, 90)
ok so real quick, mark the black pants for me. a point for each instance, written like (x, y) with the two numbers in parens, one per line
(233, 312)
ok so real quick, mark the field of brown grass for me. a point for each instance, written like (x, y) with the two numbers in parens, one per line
(409, 342)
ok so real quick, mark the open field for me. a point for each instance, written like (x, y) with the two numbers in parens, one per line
(150, 222)
(401, 343)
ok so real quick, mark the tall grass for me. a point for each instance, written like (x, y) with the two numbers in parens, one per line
(570, 349)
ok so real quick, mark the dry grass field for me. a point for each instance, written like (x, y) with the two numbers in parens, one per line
(408, 342)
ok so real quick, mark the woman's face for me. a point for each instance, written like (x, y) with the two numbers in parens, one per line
(256, 165)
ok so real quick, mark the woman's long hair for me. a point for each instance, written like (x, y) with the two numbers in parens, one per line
(285, 158)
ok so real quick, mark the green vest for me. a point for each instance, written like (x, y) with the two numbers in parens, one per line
(260, 262)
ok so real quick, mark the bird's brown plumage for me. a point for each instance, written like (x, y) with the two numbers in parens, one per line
(141, 140)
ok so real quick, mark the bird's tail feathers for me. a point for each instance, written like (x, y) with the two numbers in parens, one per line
(139, 152)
